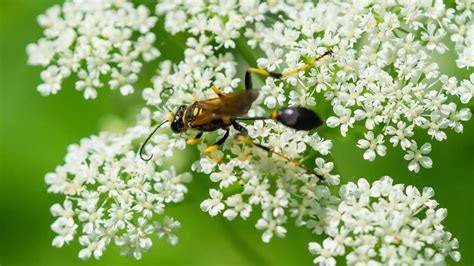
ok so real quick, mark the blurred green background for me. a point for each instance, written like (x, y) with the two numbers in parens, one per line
(36, 130)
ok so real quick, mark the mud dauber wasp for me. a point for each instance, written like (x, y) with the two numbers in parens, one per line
(226, 109)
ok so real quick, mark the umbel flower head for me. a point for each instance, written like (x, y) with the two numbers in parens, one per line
(386, 224)
(383, 76)
(277, 189)
(111, 196)
(93, 40)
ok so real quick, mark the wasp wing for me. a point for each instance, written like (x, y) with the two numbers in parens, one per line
(229, 105)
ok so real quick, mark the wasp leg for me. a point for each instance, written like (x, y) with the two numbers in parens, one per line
(194, 97)
(305, 66)
(248, 78)
(217, 91)
(240, 128)
(214, 147)
(247, 140)
(195, 139)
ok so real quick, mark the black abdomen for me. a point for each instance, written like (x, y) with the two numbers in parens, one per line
(299, 118)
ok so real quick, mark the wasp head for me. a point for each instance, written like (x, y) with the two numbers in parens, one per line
(177, 124)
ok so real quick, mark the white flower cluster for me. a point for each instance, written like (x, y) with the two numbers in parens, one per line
(96, 40)
(386, 224)
(383, 75)
(250, 178)
(463, 33)
(253, 177)
(111, 195)
(221, 19)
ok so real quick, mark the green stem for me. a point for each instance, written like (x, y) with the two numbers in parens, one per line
(236, 238)
(245, 52)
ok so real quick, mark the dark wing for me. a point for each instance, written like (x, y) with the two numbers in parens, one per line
(229, 105)
(204, 118)
(233, 104)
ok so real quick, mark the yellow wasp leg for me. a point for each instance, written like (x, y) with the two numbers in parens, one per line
(214, 147)
(194, 97)
(208, 151)
(217, 91)
(248, 79)
(259, 71)
(226, 119)
(310, 63)
(195, 139)
(249, 141)
(289, 72)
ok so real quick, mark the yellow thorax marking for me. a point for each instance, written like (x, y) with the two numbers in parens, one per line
(184, 115)
(226, 119)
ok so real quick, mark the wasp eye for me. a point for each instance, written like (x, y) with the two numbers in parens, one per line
(174, 127)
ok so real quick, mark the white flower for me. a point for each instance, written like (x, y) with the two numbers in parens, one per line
(276, 203)
(52, 79)
(272, 61)
(123, 81)
(225, 176)
(326, 252)
(135, 240)
(417, 157)
(237, 207)
(167, 228)
(433, 36)
(467, 89)
(65, 228)
(463, 33)
(373, 145)
(344, 119)
(88, 83)
(274, 97)
(214, 204)
(145, 47)
(324, 169)
(93, 247)
(401, 134)
(65, 212)
(271, 226)
(92, 217)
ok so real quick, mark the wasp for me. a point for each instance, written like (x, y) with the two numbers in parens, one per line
(227, 110)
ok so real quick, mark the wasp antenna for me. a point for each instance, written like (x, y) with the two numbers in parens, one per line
(140, 152)
(170, 94)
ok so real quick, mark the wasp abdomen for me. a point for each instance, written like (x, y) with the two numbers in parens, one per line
(299, 118)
